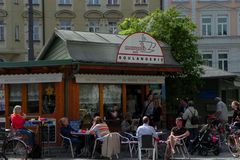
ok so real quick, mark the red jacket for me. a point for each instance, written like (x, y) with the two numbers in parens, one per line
(17, 121)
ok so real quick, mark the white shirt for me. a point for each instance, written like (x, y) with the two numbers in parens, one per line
(145, 129)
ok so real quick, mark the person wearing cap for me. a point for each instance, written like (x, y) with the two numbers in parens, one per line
(222, 111)
(177, 133)
(193, 129)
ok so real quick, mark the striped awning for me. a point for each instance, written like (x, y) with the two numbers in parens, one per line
(31, 78)
(119, 79)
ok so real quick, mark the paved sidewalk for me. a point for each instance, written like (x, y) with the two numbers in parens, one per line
(224, 155)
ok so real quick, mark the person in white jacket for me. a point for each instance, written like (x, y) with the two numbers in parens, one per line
(193, 129)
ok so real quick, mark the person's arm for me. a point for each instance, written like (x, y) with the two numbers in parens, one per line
(186, 134)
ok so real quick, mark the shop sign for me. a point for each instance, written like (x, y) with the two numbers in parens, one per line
(140, 48)
(119, 79)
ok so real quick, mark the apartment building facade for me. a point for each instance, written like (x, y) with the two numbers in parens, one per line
(218, 26)
(84, 15)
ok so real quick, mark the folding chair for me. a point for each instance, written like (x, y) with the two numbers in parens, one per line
(67, 142)
(180, 148)
(146, 142)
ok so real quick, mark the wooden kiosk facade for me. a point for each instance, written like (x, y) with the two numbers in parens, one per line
(79, 74)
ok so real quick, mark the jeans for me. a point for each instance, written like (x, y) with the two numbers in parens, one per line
(193, 134)
(30, 134)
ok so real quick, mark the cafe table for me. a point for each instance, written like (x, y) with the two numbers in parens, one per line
(86, 151)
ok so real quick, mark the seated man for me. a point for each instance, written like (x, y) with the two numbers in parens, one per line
(177, 133)
(146, 129)
(66, 130)
(18, 120)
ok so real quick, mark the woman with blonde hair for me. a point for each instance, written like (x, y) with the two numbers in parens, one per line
(17, 122)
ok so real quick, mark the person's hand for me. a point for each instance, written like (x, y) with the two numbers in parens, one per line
(24, 115)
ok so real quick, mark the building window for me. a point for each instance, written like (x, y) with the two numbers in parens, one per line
(2, 30)
(238, 24)
(17, 33)
(89, 102)
(112, 2)
(65, 25)
(93, 2)
(32, 98)
(93, 26)
(223, 60)
(207, 59)
(35, 2)
(65, 2)
(222, 25)
(36, 31)
(1, 2)
(112, 98)
(141, 2)
(206, 26)
(112, 27)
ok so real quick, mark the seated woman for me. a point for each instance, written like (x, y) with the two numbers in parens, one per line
(18, 120)
(66, 130)
(99, 128)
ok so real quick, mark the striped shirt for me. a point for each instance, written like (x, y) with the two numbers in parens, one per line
(100, 129)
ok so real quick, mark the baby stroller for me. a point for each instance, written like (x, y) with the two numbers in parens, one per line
(207, 141)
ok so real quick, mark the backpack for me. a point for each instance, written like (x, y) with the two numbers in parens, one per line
(194, 119)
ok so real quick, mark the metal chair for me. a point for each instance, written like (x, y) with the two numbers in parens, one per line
(180, 148)
(146, 142)
(133, 141)
(100, 139)
(67, 142)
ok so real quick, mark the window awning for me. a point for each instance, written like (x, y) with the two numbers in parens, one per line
(31, 78)
(119, 79)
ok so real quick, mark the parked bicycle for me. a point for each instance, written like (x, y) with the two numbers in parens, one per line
(13, 145)
(233, 141)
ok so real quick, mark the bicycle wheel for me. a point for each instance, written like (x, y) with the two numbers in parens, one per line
(233, 146)
(15, 149)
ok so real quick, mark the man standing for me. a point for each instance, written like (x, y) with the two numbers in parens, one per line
(222, 111)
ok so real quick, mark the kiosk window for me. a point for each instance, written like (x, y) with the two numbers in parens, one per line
(15, 96)
(33, 98)
(89, 101)
(112, 102)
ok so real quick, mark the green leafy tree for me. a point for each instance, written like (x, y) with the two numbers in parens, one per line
(178, 32)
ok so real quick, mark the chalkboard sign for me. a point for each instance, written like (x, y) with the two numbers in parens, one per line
(49, 131)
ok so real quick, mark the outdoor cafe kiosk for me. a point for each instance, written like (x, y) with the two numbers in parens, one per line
(79, 74)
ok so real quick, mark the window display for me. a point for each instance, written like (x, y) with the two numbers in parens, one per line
(48, 96)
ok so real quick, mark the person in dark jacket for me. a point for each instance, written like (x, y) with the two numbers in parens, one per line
(66, 130)
(157, 111)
